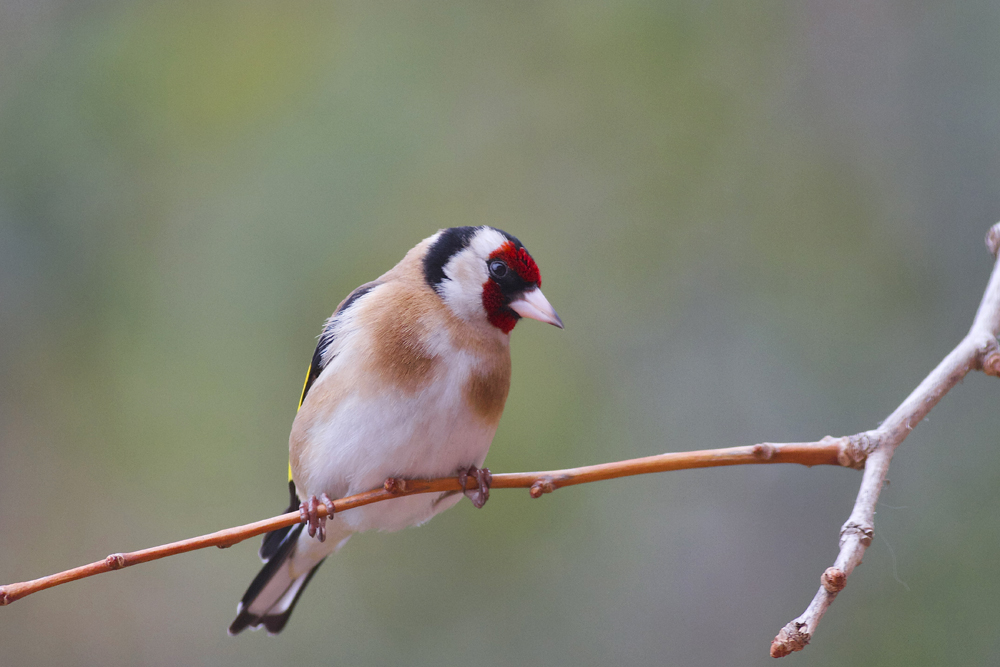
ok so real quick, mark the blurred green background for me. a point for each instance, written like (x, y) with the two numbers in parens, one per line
(759, 221)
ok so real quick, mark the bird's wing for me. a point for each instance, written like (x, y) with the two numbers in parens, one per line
(319, 361)
(328, 335)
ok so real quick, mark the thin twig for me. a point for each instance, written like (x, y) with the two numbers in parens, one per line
(828, 451)
(978, 350)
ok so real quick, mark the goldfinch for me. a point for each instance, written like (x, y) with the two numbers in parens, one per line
(409, 380)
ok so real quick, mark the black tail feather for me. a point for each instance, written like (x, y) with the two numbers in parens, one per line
(245, 619)
(276, 623)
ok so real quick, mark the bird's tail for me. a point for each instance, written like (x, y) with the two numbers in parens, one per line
(272, 595)
(291, 560)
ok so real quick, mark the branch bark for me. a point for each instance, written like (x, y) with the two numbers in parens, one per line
(977, 351)
(828, 451)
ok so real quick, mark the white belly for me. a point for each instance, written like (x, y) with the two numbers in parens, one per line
(430, 434)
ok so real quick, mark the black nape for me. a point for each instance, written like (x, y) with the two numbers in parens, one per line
(451, 242)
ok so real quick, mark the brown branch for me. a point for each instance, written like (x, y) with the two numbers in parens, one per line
(828, 451)
(978, 350)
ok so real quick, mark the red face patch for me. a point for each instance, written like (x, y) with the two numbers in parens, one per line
(520, 262)
(495, 305)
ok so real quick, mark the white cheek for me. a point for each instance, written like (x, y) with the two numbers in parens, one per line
(465, 274)
(463, 291)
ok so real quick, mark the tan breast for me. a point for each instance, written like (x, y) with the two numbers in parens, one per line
(486, 391)
(398, 324)
(405, 320)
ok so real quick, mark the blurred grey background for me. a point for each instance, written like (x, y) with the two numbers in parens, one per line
(760, 221)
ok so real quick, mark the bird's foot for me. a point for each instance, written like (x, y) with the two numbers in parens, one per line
(480, 493)
(309, 511)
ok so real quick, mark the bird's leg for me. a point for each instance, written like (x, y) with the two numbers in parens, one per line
(309, 511)
(481, 492)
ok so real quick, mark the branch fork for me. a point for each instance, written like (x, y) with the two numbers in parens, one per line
(990, 358)
(978, 350)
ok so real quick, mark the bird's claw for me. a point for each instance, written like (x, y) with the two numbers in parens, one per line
(481, 492)
(309, 511)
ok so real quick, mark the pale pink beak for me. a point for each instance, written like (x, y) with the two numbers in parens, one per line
(533, 304)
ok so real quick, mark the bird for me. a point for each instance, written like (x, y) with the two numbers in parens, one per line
(408, 380)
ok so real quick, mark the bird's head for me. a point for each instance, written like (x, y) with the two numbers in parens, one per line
(485, 275)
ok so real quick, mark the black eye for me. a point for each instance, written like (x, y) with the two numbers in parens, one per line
(498, 269)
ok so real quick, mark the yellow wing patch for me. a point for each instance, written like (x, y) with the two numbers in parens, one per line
(301, 398)
(305, 384)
